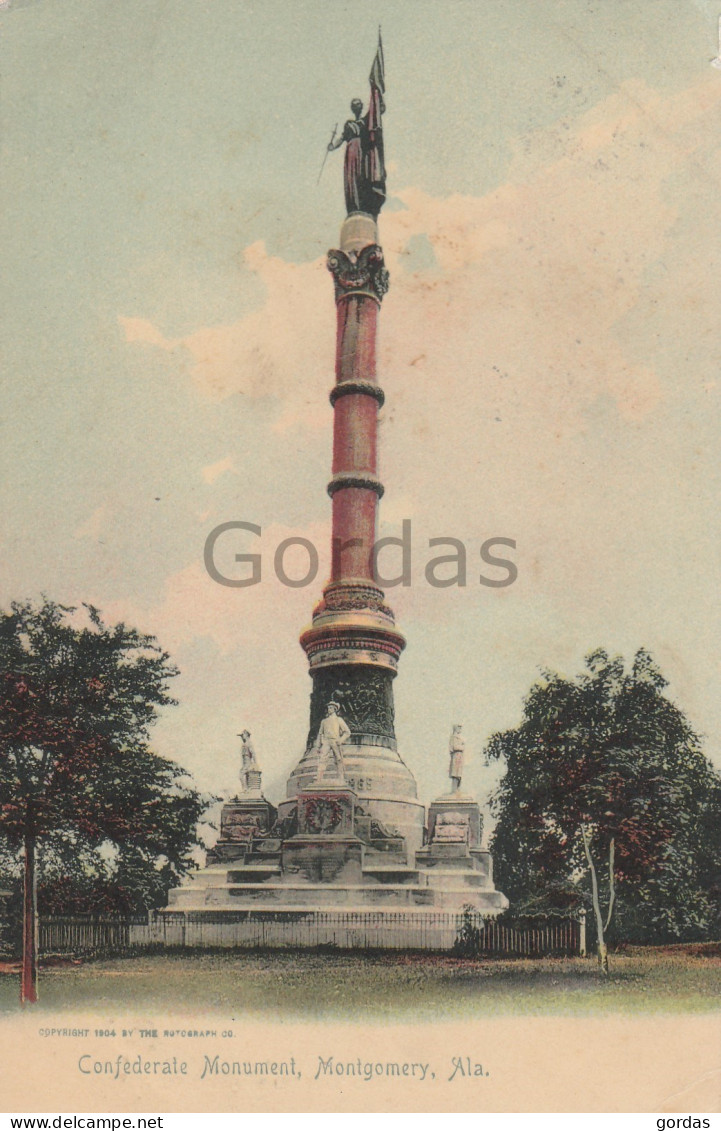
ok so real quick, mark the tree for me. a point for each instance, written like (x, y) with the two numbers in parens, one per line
(606, 781)
(77, 701)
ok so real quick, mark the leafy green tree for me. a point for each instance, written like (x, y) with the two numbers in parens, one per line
(75, 877)
(606, 786)
(77, 701)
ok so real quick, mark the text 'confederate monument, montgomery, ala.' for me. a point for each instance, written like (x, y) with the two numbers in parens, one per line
(350, 855)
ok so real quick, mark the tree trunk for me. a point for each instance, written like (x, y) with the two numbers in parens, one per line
(602, 948)
(29, 974)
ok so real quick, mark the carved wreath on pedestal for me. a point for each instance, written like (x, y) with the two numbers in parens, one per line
(240, 826)
(323, 814)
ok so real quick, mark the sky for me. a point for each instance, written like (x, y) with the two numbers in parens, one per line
(547, 348)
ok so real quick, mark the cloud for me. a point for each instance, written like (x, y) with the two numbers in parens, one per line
(194, 606)
(141, 330)
(214, 470)
(282, 352)
(93, 527)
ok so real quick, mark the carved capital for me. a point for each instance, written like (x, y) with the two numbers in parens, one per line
(361, 274)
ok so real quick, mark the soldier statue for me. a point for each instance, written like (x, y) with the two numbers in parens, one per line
(332, 733)
(250, 775)
(456, 748)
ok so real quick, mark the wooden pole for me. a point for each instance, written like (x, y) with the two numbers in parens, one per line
(29, 973)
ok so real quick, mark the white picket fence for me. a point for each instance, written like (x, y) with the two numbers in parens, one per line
(346, 930)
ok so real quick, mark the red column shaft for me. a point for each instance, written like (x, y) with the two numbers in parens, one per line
(354, 519)
(355, 426)
(355, 357)
(354, 434)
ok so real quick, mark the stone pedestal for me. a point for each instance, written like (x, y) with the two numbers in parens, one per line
(325, 849)
(333, 860)
(242, 821)
(326, 809)
(358, 230)
(455, 867)
(448, 814)
(252, 786)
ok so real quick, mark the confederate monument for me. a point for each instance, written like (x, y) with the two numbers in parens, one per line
(351, 835)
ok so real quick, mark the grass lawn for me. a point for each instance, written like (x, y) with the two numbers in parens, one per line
(362, 987)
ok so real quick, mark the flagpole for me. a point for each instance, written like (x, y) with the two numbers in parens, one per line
(327, 151)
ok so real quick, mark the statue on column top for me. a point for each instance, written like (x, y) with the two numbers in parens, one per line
(364, 171)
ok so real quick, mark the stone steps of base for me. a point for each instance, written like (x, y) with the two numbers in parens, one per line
(253, 870)
(460, 864)
(218, 873)
(239, 897)
(438, 879)
(382, 856)
(211, 870)
(414, 880)
(338, 909)
(384, 871)
(485, 903)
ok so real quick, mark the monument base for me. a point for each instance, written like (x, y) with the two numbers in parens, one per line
(242, 821)
(273, 889)
(344, 860)
(334, 859)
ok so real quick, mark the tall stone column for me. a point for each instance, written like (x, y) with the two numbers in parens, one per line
(353, 645)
